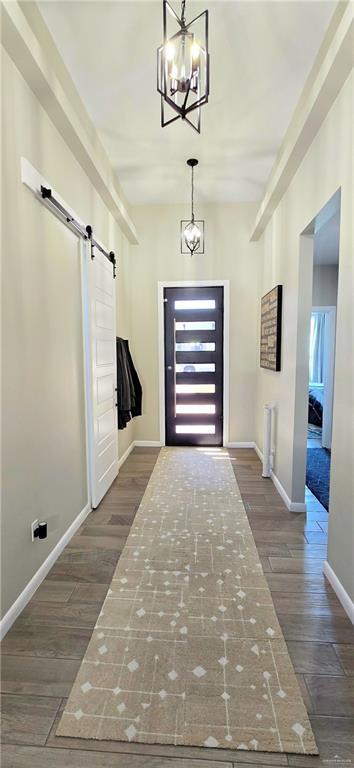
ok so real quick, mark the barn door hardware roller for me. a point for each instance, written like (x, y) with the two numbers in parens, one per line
(85, 232)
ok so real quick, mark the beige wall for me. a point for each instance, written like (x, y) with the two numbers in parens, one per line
(43, 428)
(288, 260)
(229, 256)
(325, 285)
(124, 326)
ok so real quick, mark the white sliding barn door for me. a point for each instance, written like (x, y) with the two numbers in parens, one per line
(103, 427)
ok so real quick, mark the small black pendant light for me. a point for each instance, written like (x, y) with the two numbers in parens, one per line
(183, 66)
(192, 231)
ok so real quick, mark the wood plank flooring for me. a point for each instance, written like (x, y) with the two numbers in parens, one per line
(42, 651)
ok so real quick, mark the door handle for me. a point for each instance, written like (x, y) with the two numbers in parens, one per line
(169, 368)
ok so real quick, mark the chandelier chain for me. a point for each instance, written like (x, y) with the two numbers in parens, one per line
(192, 193)
(183, 10)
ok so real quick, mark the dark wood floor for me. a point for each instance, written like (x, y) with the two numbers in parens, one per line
(42, 651)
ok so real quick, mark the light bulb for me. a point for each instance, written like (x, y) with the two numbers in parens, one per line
(195, 51)
(170, 51)
(180, 62)
(192, 236)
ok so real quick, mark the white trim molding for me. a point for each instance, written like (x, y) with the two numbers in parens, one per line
(250, 444)
(341, 593)
(328, 372)
(125, 455)
(30, 588)
(148, 444)
(258, 452)
(225, 284)
(36, 580)
(292, 506)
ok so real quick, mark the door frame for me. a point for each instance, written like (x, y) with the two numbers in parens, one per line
(85, 257)
(225, 284)
(328, 371)
(88, 311)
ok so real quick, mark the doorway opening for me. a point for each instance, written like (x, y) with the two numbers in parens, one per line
(194, 365)
(322, 334)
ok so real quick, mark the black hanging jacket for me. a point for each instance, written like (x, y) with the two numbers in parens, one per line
(129, 390)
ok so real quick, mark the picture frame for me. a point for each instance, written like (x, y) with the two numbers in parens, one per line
(271, 327)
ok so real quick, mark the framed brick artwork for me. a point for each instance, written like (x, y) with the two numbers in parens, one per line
(271, 315)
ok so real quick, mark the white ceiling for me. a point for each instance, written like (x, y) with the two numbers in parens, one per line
(261, 54)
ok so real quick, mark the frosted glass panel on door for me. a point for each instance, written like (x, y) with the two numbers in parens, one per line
(202, 325)
(200, 408)
(195, 304)
(195, 346)
(195, 368)
(194, 389)
(195, 429)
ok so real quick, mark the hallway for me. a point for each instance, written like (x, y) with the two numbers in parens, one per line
(176, 338)
(43, 650)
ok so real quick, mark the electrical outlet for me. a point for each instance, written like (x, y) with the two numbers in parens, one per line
(34, 525)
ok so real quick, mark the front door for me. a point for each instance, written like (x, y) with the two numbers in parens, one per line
(194, 365)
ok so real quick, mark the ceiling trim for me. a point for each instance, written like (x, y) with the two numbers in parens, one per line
(29, 56)
(331, 68)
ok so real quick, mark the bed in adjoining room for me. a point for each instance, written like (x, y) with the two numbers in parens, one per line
(315, 410)
(318, 457)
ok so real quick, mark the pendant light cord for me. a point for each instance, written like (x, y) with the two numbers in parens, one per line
(192, 193)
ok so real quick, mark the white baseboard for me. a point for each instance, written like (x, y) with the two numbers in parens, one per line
(38, 577)
(240, 445)
(148, 444)
(292, 506)
(125, 455)
(258, 452)
(341, 593)
(29, 590)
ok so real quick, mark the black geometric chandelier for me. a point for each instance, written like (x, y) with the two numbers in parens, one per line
(192, 231)
(183, 66)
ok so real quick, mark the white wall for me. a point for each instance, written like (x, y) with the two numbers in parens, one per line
(43, 428)
(288, 260)
(229, 256)
(325, 285)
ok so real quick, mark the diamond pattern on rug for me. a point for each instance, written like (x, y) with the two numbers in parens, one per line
(187, 648)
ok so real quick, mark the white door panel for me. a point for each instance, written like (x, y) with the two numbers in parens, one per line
(104, 315)
(105, 388)
(106, 424)
(103, 281)
(104, 297)
(104, 450)
(105, 352)
(106, 459)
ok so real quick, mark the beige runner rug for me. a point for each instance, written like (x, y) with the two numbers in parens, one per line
(187, 648)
